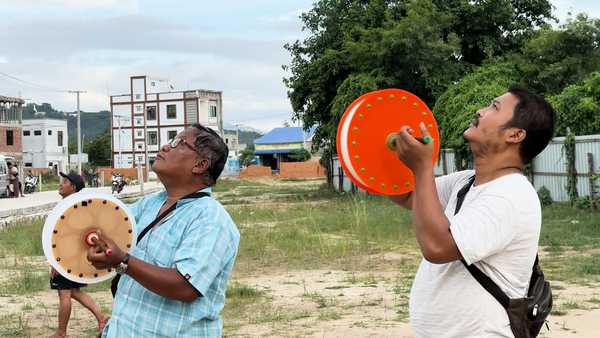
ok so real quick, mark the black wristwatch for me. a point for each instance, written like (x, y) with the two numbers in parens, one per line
(122, 267)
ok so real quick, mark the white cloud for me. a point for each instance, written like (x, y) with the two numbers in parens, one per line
(36, 6)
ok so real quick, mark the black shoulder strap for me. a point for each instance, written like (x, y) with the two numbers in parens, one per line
(484, 280)
(168, 211)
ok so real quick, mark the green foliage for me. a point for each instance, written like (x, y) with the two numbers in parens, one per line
(558, 58)
(423, 46)
(494, 28)
(99, 150)
(299, 156)
(544, 196)
(578, 107)
(246, 156)
(569, 151)
(581, 202)
(455, 110)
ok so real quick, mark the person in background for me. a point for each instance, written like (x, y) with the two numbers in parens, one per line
(13, 172)
(90, 177)
(67, 289)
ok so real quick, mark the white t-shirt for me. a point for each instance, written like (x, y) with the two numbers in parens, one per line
(497, 229)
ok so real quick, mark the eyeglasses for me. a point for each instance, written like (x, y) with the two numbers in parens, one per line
(176, 141)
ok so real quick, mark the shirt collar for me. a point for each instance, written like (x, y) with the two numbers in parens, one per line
(163, 196)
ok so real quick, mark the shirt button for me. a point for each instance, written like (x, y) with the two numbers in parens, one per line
(124, 296)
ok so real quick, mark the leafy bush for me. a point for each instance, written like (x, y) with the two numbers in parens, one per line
(581, 202)
(544, 195)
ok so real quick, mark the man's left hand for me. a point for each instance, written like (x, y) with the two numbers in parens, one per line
(100, 260)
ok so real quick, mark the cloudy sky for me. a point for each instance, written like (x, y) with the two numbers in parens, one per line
(50, 47)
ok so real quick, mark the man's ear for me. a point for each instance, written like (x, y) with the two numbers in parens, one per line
(200, 165)
(515, 135)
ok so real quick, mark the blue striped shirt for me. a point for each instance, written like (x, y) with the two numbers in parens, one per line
(200, 240)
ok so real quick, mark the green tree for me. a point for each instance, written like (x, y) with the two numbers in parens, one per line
(246, 156)
(99, 150)
(559, 58)
(455, 110)
(422, 46)
(490, 28)
(301, 155)
(578, 107)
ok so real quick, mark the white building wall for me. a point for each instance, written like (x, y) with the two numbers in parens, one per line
(45, 150)
(138, 87)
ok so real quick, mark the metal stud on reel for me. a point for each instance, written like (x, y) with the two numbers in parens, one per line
(366, 139)
(70, 227)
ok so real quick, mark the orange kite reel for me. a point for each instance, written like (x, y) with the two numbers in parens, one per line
(366, 139)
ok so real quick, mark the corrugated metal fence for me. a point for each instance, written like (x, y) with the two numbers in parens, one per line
(549, 168)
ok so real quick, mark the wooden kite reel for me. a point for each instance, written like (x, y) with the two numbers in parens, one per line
(71, 228)
(366, 139)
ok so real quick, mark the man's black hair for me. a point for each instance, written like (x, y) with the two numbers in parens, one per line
(211, 146)
(534, 115)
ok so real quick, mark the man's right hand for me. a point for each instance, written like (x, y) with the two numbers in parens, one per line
(53, 273)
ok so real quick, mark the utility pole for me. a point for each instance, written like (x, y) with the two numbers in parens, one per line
(78, 131)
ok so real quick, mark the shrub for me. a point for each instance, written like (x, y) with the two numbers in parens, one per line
(544, 195)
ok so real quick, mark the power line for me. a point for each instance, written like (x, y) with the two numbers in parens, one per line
(29, 85)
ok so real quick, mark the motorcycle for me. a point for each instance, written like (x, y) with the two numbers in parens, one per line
(118, 183)
(30, 184)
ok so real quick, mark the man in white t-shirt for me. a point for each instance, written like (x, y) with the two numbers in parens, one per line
(497, 227)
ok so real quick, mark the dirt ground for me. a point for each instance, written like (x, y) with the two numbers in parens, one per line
(313, 303)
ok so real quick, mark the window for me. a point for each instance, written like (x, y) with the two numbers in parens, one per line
(138, 96)
(152, 138)
(139, 146)
(49, 132)
(138, 121)
(26, 133)
(138, 108)
(28, 164)
(9, 138)
(37, 132)
(171, 134)
(171, 111)
(152, 160)
(152, 84)
(139, 134)
(60, 138)
(151, 115)
(213, 111)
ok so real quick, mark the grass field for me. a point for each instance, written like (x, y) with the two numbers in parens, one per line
(338, 255)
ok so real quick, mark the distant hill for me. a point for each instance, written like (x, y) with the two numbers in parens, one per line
(92, 124)
(246, 137)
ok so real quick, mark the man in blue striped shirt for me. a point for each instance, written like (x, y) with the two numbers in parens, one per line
(173, 282)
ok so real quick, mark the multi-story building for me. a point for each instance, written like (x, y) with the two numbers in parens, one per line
(11, 112)
(45, 144)
(231, 139)
(152, 113)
